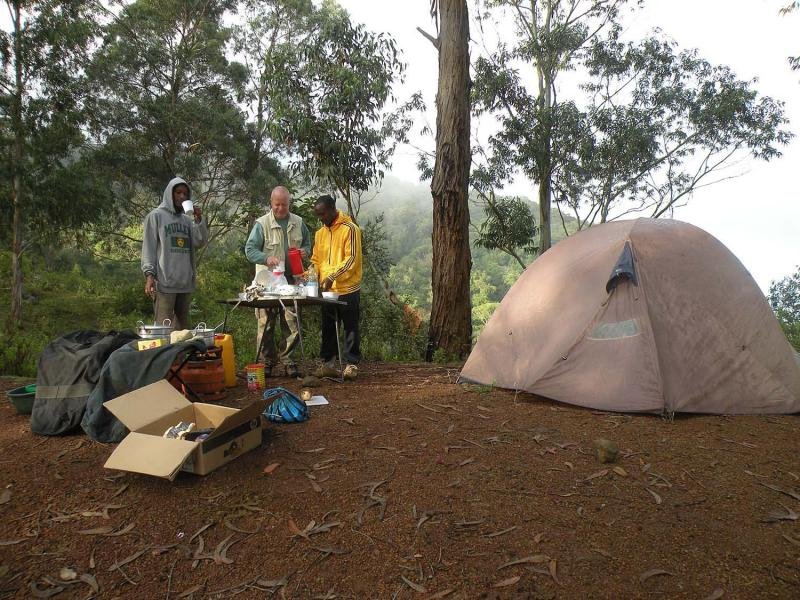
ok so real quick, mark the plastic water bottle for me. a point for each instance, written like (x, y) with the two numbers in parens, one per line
(312, 285)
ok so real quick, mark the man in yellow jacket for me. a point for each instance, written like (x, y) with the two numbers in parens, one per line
(337, 259)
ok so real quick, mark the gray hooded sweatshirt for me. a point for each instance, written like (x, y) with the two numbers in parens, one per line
(169, 242)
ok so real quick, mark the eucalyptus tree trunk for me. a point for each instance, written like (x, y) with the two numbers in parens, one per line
(451, 314)
(546, 78)
(15, 316)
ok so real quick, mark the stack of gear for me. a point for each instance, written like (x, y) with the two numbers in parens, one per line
(68, 370)
(126, 370)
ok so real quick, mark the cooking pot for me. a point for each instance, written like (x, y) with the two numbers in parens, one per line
(155, 332)
(207, 334)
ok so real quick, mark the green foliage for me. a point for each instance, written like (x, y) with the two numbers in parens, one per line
(441, 356)
(649, 125)
(327, 96)
(784, 297)
(166, 104)
(509, 226)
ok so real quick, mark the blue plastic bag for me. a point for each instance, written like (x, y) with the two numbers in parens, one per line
(285, 406)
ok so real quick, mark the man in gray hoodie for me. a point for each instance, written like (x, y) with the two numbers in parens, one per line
(168, 246)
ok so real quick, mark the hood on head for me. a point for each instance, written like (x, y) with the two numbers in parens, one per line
(166, 198)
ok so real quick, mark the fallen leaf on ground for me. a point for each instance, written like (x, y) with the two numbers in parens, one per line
(11, 542)
(227, 521)
(192, 590)
(507, 582)
(272, 583)
(552, 567)
(501, 532)
(655, 496)
(120, 489)
(67, 574)
(600, 473)
(5, 496)
(535, 559)
(270, 469)
(791, 493)
(125, 561)
(89, 579)
(791, 540)
(652, 573)
(314, 484)
(620, 471)
(414, 586)
(97, 531)
(442, 594)
(775, 516)
(716, 594)
(46, 593)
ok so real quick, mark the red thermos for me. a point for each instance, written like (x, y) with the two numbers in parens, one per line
(295, 262)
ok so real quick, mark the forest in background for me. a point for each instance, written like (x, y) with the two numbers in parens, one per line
(73, 287)
(102, 103)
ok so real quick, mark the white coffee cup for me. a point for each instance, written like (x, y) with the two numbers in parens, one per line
(188, 208)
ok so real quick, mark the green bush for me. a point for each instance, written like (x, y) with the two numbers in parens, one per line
(784, 297)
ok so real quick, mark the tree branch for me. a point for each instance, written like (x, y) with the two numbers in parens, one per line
(430, 38)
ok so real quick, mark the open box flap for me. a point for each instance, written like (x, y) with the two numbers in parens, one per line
(151, 455)
(147, 404)
(252, 411)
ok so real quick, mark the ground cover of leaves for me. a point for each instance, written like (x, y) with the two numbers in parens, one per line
(411, 485)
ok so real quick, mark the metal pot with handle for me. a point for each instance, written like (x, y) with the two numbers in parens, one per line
(207, 334)
(155, 332)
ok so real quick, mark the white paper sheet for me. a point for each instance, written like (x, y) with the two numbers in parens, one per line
(317, 401)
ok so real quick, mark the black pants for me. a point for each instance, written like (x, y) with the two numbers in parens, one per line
(348, 315)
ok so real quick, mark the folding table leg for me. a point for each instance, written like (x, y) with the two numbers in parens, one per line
(339, 349)
(299, 329)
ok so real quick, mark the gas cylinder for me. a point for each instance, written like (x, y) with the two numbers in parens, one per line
(204, 376)
(225, 341)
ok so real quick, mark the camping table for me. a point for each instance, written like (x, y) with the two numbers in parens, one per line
(282, 301)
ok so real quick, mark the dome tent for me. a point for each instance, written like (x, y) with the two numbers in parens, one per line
(646, 315)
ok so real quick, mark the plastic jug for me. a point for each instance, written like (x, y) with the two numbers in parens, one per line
(295, 262)
(225, 341)
(312, 285)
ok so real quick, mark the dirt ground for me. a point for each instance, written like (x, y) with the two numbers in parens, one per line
(409, 485)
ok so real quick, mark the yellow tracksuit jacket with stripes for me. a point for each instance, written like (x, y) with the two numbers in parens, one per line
(337, 254)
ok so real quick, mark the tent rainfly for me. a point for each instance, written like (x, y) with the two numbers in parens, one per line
(647, 315)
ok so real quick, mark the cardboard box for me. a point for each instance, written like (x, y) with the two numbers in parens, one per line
(149, 411)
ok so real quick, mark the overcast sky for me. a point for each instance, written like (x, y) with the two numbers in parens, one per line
(756, 215)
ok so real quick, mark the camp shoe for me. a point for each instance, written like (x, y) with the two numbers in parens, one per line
(326, 371)
(350, 372)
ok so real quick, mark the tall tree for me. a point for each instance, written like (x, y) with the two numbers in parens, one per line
(44, 53)
(328, 97)
(659, 124)
(268, 38)
(648, 125)
(551, 36)
(167, 105)
(450, 327)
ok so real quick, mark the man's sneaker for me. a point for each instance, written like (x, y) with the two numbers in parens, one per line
(350, 372)
(327, 370)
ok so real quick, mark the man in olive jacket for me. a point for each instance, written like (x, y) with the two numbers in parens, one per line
(268, 244)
